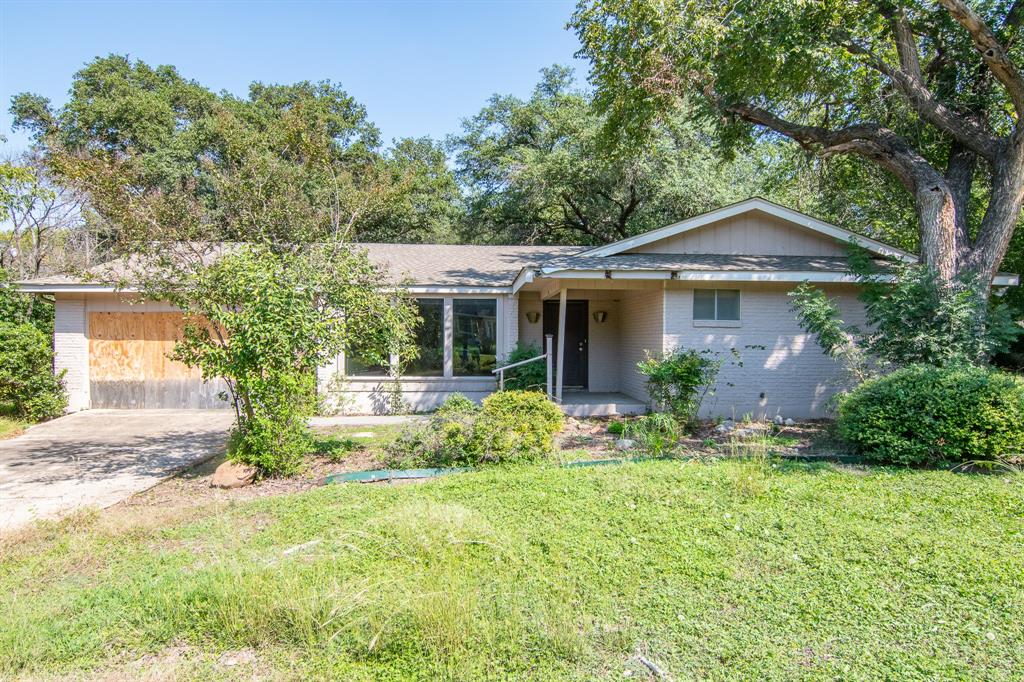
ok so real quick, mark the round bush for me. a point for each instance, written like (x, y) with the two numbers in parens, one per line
(925, 415)
(28, 386)
(517, 426)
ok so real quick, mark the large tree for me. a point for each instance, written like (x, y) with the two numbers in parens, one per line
(541, 171)
(162, 156)
(930, 92)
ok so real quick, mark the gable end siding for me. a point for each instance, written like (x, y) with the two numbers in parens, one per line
(753, 233)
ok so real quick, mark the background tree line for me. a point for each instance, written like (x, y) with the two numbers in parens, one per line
(141, 152)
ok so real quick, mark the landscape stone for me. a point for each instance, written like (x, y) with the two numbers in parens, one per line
(233, 475)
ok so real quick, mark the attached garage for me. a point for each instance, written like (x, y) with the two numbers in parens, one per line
(114, 351)
(129, 365)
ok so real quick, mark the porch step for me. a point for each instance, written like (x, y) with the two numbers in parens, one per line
(584, 404)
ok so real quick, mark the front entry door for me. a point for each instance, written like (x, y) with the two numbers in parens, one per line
(576, 323)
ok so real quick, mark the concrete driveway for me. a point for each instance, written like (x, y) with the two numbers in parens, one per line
(99, 457)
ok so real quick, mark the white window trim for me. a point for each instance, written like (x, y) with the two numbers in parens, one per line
(715, 322)
(449, 343)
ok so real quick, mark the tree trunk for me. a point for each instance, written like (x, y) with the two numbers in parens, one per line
(937, 219)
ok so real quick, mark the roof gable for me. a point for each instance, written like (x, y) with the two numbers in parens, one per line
(677, 233)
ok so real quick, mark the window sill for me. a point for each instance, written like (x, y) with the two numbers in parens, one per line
(729, 324)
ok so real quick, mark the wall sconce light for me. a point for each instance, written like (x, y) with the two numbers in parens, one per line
(600, 316)
(532, 316)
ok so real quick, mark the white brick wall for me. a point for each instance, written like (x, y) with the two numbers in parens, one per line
(71, 349)
(640, 331)
(788, 376)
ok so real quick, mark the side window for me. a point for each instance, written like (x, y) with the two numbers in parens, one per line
(716, 304)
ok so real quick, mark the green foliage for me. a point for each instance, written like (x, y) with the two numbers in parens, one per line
(517, 426)
(656, 434)
(335, 448)
(916, 318)
(511, 427)
(537, 170)
(456, 404)
(165, 158)
(540, 573)
(19, 308)
(532, 376)
(28, 387)
(617, 428)
(264, 321)
(679, 380)
(928, 415)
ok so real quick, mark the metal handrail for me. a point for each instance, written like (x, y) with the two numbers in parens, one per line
(521, 362)
(500, 371)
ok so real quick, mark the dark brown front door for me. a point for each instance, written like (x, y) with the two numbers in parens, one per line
(575, 340)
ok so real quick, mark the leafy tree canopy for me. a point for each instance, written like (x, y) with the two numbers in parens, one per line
(163, 156)
(539, 171)
(928, 92)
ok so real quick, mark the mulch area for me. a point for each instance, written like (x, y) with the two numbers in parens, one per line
(581, 439)
(589, 438)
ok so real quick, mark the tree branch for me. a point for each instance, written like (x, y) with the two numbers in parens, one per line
(909, 80)
(992, 52)
(870, 140)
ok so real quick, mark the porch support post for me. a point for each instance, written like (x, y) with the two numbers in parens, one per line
(562, 295)
(548, 343)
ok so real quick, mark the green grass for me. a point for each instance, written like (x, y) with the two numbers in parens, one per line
(719, 570)
(10, 427)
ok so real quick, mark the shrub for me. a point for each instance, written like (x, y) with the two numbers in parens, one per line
(926, 415)
(532, 376)
(456, 404)
(913, 316)
(512, 426)
(27, 383)
(517, 426)
(616, 428)
(655, 434)
(679, 380)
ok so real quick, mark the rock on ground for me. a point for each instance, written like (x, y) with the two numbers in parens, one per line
(233, 475)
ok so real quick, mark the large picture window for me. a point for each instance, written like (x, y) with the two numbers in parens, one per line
(475, 336)
(429, 339)
(716, 304)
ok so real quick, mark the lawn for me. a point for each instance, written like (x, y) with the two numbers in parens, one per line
(707, 569)
(10, 427)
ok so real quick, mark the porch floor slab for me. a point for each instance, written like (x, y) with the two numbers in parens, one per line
(584, 404)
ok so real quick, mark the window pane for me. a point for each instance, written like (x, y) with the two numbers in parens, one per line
(475, 336)
(358, 366)
(703, 304)
(429, 339)
(728, 304)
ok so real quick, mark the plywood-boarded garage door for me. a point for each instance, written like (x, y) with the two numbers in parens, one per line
(129, 367)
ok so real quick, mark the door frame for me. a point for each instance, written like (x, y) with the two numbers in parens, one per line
(582, 328)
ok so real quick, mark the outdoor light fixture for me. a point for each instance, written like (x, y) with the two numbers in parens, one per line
(532, 316)
(600, 316)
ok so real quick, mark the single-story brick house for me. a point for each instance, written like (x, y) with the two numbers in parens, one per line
(716, 281)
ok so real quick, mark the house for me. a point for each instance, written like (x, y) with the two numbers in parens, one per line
(718, 281)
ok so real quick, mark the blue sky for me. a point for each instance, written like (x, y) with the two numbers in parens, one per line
(418, 67)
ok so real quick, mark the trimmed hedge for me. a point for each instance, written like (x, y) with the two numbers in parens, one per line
(926, 415)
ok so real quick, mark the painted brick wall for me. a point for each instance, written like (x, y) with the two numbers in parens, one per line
(639, 331)
(71, 349)
(790, 376)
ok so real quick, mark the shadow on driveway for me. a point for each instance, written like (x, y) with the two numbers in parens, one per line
(99, 457)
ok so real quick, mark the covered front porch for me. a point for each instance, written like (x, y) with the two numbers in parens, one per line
(599, 330)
